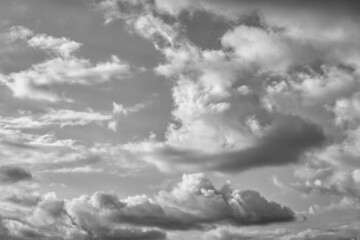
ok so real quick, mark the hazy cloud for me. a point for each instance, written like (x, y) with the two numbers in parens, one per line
(13, 174)
(336, 233)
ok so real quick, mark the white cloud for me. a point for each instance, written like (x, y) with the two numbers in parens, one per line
(119, 109)
(60, 46)
(64, 68)
(85, 169)
(192, 203)
(153, 28)
(38, 81)
(18, 33)
(55, 117)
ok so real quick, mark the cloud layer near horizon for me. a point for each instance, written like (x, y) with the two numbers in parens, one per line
(193, 203)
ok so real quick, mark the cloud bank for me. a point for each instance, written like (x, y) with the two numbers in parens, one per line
(194, 203)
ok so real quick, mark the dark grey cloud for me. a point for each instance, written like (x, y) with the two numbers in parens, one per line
(28, 200)
(129, 234)
(13, 174)
(284, 144)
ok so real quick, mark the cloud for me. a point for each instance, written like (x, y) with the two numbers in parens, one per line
(85, 170)
(18, 230)
(193, 203)
(155, 28)
(278, 92)
(233, 9)
(119, 109)
(280, 50)
(333, 181)
(124, 9)
(335, 233)
(65, 118)
(64, 68)
(50, 219)
(35, 83)
(55, 117)
(227, 234)
(284, 144)
(15, 33)
(63, 47)
(22, 199)
(13, 174)
(342, 232)
(46, 153)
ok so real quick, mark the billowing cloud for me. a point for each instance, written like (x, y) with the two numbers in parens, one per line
(193, 203)
(283, 144)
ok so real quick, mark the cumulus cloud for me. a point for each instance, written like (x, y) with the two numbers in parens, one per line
(50, 218)
(193, 203)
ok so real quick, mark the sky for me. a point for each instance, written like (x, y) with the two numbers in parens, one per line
(172, 120)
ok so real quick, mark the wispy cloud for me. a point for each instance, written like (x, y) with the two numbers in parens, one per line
(63, 68)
